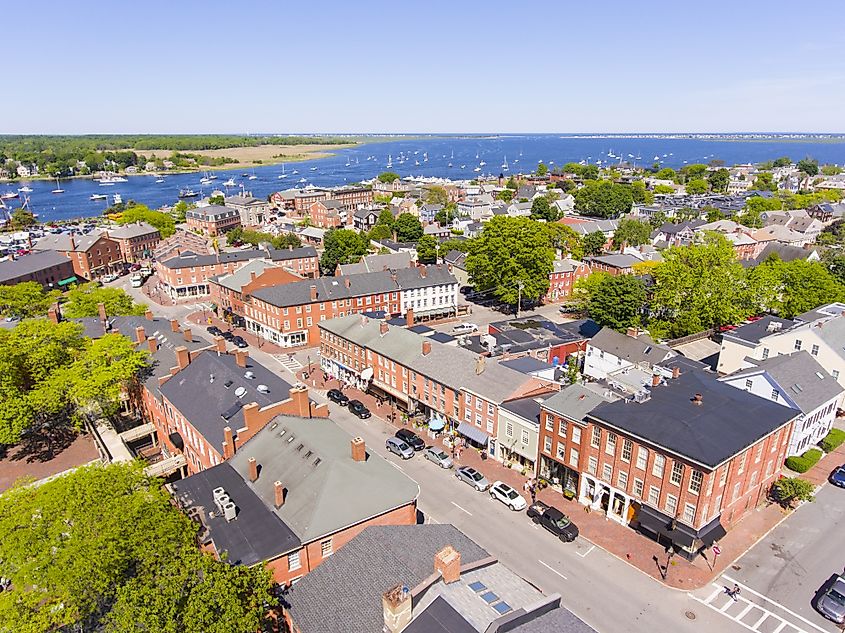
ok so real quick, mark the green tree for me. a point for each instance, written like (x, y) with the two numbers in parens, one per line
(792, 288)
(408, 228)
(542, 170)
(809, 166)
(342, 246)
(831, 170)
(286, 240)
(446, 215)
(22, 219)
(603, 199)
(512, 184)
(454, 245)
(693, 172)
(388, 177)
(567, 240)
(82, 301)
(505, 194)
(164, 222)
(617, 301)
(667, 173)
(719, 180)
(640, 194)
(790, 490)
(509, 253)
(663, 189)
(104, 548)
(631, 232)
(713, 214)
(589, 172)
(541, 209)
(437, 195)
(783, 161)
(217, 199)
(386, 218)
(380, 232)
(427, 250)
(26, 299)
(593, 243)
(179, 210)
(765, 181)
(697, 186)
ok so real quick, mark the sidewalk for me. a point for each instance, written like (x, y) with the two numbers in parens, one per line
(207, 318)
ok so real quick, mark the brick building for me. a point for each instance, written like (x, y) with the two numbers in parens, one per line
(327, 214)
(92, 255)
(613, 264)
(563, 277)
(212, 220)
(48, 268)
(137, 240)
(304, 198)
(228, 291)
(352, 198)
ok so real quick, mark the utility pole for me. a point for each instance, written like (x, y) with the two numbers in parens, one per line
(518, 297)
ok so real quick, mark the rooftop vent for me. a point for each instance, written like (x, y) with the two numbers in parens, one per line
(228, 384)
(249, 375)
(820, 375)
(240, 392)
(263, 388)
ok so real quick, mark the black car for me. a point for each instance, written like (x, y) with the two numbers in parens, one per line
(357, 407)
(214, 330)
(553, 520)
(239, 342)
(228, 336)
(411, 439)
(335, 395)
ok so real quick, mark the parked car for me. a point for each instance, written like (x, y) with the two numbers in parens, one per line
(398, 447)
(335, 395)
(357, 407)
(507, 495)
(837, 477)
(831, 604)
(107, 279)
(214, 330)
(464, 328)
(470, 476)
(239, 342)
(553, 520)
(227, 335)
(411, 439)
(438, 456)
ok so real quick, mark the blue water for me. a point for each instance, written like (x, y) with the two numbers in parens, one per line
(522, 153)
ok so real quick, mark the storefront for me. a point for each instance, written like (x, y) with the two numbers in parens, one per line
(598, 495)
(475, 437)
(559, 476)
(685, 540)
(348, 376)
(287, 339)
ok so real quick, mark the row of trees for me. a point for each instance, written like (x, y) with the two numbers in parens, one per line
(248, 236)
(29, 299)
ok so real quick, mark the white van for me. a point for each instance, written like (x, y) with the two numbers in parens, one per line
(464, 328)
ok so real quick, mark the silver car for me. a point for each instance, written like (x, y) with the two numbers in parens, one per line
(831, 603)
(398, 447)
(438, 456)
(470, 476)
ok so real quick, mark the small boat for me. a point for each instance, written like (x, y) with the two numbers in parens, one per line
(58, 189)
(98, 196)
(477, 169)
(204, 181)
(294, 172)
(313, 169)
(25, 189)
(481, 164)
(245, 174)
(303, 180)
(187, 193)
(252, 177)
(159, 179)
(9, 195)
(463, 166)
(211, 177)
(117, 198)
(505, 164)
(449, 165)
(230, 183)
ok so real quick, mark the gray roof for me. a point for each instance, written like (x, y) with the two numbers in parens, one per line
(439, 617)
(574, 402)
(800, 378)
(755, 331)
(526, 408)
(344, 592)
(727, 421)
(371, 263)
(326, 490)
(636, 350)
(210, 405)
(334, 288)
(285, 254)
(61, 242)
(255, 535)
(243, 275)
(32, 263)
(526, 364)
(211, 212)
(243, 201)
(615, 261)
(189, 258)
(786, 252)
(456, 259)
(135, 229)
(447, 364)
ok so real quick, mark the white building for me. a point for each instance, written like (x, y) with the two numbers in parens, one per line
(610, 352)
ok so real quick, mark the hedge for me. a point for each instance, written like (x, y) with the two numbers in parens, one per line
(832, 440)
(803, 463)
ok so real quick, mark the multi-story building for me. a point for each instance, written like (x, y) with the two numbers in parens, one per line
(137, 240)
(565, 273)
(252, 211)
(51, 269)
(289, 315)
(212, 220)
(610, 352)
(228, 291)
(682, 464)
(180, 242)
(613, 264)
(304, 198)
(92, 255)
(352, 198)
(294, 495)
(447, 385)
(327, 214)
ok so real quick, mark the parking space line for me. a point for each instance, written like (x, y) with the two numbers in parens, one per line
(552, 569)
(397, 466)
(460, 508)
(747, 608)
(713, 595)
(584, 555)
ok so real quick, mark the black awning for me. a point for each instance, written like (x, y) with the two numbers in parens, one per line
(712, 532)
(176, 440)
(664, 525)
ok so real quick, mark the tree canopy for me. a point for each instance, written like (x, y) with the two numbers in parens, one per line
(542, 209)
(103, 548)
(631, 232)
(603, 199)
(437, 195)
(697, 186)
(615, 301)
(388, 177)
(593, 243)
(407, 228)
(427, 250)
(82, 302)
(342, 246)
(26, 299)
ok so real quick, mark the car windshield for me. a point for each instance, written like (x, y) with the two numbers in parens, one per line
(403, 446)
(475, 475)
(511, 494)
(836, 596)
(563, 522)
(441, 455)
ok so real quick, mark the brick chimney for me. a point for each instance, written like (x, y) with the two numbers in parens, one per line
(409, 317)
(359, 449)
(301, 402)
(53, 313)
(448, 562)
(423, 271)
(174, 325)
(633, 332)
(153, 345)
(101, 310)
(183, 357)
(314, 293)
(426, 348)
(187, 334)
(655, 380)
(253, 469)
(241, 356)
(149, 315)
(252, 275)
(140, 334)
(347, 282)
(383, 327)
(676, 371)
(698, 399)
(397, 608)
(279, 491)
(220, 344)
(228, 442)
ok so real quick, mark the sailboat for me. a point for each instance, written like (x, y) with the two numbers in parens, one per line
(283, 174)
(253, 176)
(98, 196)
(58, 189)
(505, 164)
(25, 189)
(389, 160)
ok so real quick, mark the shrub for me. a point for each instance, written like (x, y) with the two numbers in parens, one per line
(791, 489)
(832, 440)
(803, 463)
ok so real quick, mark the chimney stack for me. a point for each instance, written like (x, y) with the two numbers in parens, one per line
(183, 357)
(301, 401)
(480, 365)
(174, 325)
(409, 317)
(140, 334)
(697, 399)
(448, 562)
(633, 332)
(253, 469)
(187, 334)
(655, 380)
(153, 344)
(383, 327)
(347, 282)
(314, 293)
(241, 357)
(220, 344)
(426, 348)
(252, 275)
(53, 313)
(676, 371)
(228, 442)
(397, 608)
(149, 315)
(279, 493)
(359, 449)
(423, 271)
(101, 310)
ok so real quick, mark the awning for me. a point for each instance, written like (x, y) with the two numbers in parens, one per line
(436, 423)
(662, 524)
(475, 434)
(69, 280)
(711, 532)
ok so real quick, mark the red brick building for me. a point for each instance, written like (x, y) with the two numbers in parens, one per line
(327, 214)
(613, 264)
(304, 198)
(213, 220)
(229, 291)
(92, 255)
(351, 198)
(137, 240)
(48, 268)
(563, 277)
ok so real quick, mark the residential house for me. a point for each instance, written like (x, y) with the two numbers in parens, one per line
(365, 219)
(609, 352)
(373, 263)
(778, 233)
(532, 366)
(456, 261)
(565, 272)
(677, 234)
(518, 432)
(137, 240)
(212, 220)
(428, 211)
(352, 198)
(92, 255)
(437, 232)
(51, 269)
(799, 382)
(745, 339)
(253, 211)
(785, 253)
(738, 235)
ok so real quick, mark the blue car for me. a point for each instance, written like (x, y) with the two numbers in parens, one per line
(837, 477)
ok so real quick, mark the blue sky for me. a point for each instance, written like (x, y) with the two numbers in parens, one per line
(436, 66)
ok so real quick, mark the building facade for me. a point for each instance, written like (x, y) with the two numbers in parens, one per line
(137, 241)
(212, 220)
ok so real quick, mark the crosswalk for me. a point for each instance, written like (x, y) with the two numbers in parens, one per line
(289, 362)
(752, 610)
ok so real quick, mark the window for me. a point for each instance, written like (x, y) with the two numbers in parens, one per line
(550, 423)
(695, 481)
(741, 464)
(775, 394)
(677, 473)
(654, 495)
(509, 429)
(573, 457)
(561, 428)
(671, 505)
(638, 488)
(758, 454)
(607, 472)
(642, 458)
(724, 477)
(547, 444)
(657, 466)
(765, 353)
(749, 383)
(610, 444)
(814, 350)
(293, 561)
(524, 437)
(595, 440)
(735, 493)
(576, 434)
(561, 451)
(592, 465)
(326, 547)
(768, 468)
(797, 344)
(835, 374)
(689, 513)
(622, 480)
(627, 449)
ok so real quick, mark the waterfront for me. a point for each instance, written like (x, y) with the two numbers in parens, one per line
(454, 157)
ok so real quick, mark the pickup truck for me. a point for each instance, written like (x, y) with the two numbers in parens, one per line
(553, 520)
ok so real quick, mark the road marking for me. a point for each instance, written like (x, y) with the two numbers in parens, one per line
(748, 608)
(760, 595)
(460, 508)
(395, 465)
(592, 547)
(552, 569)
(760, 621)
(780, 627)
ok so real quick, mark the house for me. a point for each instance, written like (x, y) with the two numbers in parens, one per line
(372, 263)
(51, 269)
(303, 260)
(445, 583)
(253, 211)
(613, 264)
(799, 382)
(327, 214)
(137, 240)
(531, 366)
(428, 211)
(92, 255)
(778, 233)
(212, 220)
(474, 209)
(456, 261)
(565, 272)
(526, 192)
(677, 234)
(437, 232)
(364, 219)
(295, 495)
(744, 340)
(785, 253)
(610, 351)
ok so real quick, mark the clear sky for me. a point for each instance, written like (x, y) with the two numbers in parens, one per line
(184, 66)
